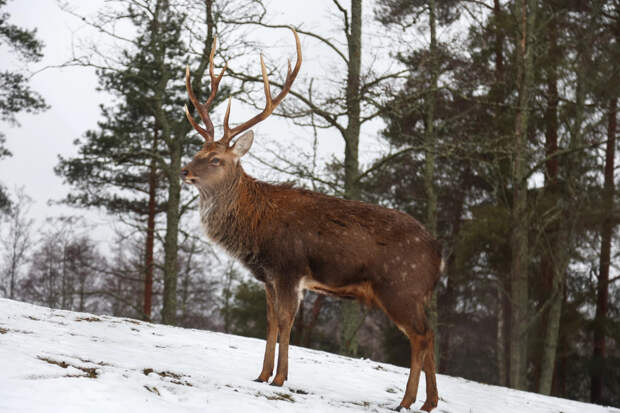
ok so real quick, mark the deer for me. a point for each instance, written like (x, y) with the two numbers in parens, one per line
(292, 240)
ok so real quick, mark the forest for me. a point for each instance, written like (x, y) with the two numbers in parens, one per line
(492, 122)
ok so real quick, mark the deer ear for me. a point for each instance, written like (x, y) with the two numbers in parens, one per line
(242, 145)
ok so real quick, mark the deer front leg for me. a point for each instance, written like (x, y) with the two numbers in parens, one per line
(288, 302)
(272, 334)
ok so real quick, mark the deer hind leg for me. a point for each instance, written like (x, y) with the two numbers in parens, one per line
(288, 301)
(272, 334)
(417, 359)
(432, 397)
(411, 319)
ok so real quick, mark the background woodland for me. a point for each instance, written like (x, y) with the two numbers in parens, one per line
(497, 129)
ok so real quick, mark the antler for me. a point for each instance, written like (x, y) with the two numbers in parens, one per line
(203, 109)
(270, 103)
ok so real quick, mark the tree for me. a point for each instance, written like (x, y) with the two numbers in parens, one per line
(398, 12)
(116, 168)
(16, 96)
(600, 376)
(15, 242)
(146, 137)
(198, 284)
(526, 13)
(65, 267)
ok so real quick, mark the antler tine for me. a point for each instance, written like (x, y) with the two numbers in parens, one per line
(270, 104)
(206, 133)
(203, 109)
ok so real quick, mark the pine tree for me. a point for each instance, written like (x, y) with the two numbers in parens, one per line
(141, 142)
(16, 96)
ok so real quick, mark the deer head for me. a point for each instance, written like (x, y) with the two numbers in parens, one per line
(216, 165)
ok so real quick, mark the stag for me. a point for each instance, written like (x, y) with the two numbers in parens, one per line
(293, 240)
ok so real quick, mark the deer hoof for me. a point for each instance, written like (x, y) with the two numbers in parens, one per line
(428, 406)
(262, 378)
(397, 409)
(278, 381)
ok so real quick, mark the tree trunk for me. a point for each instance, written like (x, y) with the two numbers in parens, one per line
(597, 372)
(520, 221)
(550, 266)
(430, 141)
(171, 240)
(498, 96)
(150, 233)
(174, 132)
(352, 132)
(351, 310)
(502, 377)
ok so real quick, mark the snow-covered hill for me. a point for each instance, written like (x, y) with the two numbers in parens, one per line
(61, 361)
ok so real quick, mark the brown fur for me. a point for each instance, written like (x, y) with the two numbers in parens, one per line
(292, 239)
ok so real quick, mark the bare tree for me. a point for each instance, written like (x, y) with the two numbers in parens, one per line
(15, 242)
(64, 268)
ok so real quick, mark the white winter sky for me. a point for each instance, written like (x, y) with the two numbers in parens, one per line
(71, 93)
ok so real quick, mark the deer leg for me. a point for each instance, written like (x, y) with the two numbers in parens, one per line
(288, 302)
(411, 320)
(432, 396)
(272, 334)
(417, 358)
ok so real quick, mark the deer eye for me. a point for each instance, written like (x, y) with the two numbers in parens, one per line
(215, 161)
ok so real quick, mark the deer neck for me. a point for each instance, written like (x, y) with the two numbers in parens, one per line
(230, 216)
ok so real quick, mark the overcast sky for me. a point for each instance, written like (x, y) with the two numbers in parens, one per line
(74, 101)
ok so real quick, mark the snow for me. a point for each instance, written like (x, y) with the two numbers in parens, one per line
(62, 361)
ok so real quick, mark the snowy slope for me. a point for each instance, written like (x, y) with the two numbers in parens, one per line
(61, 361)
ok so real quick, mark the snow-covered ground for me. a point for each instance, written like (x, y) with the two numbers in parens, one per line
(61, 361)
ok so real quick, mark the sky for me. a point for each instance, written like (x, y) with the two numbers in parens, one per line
(70, 92)
(74, 101)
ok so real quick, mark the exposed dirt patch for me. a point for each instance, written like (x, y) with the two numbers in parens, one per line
(162, 373)
(90, 372)
(99, 363)
(3, 330)
(152, 389)
(298, 391)
(32, 318)
(360, 403)
(182, 383)
(174, 377)
(62, 364)
(277, 396)
(90, 319)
